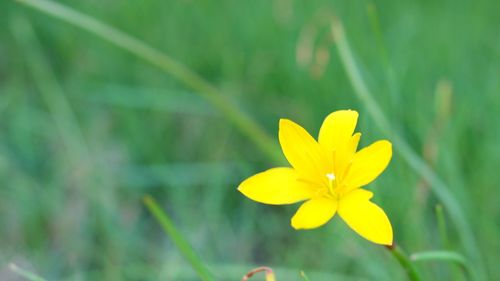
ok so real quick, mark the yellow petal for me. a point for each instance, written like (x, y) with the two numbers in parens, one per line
(366, 218)
(276, 186)
(303, 152)
(368, 164)
(344, 155)
(314, 213)
(337, 129)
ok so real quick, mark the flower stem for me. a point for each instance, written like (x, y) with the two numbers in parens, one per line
(404, 261)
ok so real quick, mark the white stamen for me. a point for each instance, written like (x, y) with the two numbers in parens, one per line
(330, 176)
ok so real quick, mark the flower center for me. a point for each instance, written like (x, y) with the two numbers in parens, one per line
(333, 189)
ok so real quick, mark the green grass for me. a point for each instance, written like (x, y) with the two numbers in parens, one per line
(87, 129)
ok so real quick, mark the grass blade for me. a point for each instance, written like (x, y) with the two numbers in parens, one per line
(439, 188)
(179, 241)
(24, 273)
(51, 91)
(243, 122)
(304, 276)
(440, 256)
(441, 222)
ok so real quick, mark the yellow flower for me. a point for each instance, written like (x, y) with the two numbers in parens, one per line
(329, 174)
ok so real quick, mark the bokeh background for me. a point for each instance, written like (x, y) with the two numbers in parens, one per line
(88, 129)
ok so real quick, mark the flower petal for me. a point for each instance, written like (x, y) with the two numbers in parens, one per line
(303, 152)
(344, 155)
(365, 218)
(368, 164)
(337, 129)
(276, 186)
(314, 213)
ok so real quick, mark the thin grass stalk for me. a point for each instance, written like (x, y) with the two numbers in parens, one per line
(443, 256)
(179, 241)
(441, 223)
(51, 91)
(304, 276)
(439, 188)
(190, 79)
(449, 256)
(390, 74)
(25, 273)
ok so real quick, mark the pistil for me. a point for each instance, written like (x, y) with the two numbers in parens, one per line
(331, 183)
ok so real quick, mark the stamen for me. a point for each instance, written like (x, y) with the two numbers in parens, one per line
(330, 176)
(331, 181)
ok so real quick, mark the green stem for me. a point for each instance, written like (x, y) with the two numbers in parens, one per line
(404, 261)
(192, 80)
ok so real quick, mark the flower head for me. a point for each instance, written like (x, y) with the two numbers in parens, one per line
(328, 175)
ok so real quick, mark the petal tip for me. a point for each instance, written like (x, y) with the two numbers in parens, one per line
(389, 147)
(353, 112)
(242, 190)
(295, 226)
(284, 121)
(284, 125)
(387, 143)
(388, 243)
(386, 240)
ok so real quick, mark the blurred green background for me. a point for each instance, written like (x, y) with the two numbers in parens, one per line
(87, 129)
